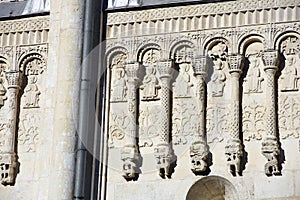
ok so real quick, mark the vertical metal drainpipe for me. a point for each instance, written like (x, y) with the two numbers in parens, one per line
(84, 103)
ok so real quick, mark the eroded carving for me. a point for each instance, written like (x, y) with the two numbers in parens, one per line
(149, 123)
(289, 117)
(31, 93)
(234, 152)
(199, 154)
(254, 76)
(253, 121)
(289, 75)
(150, 85)
(182, 85)
(270, 149)
(119, 87)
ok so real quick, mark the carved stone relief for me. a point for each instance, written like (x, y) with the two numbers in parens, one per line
(217, 123)
(290, 74)
(119, 88)
(289, 116)
(218, 54)
(182, 85)
(149, 123)
(3, 90)
(28, 132)
(254, 78)
(32, 93)
(150, 85)
(253, 121)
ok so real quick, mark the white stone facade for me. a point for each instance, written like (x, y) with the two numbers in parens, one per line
(201, 101)
(229, 114)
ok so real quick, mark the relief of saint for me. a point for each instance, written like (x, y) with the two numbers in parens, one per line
(218, 79)
(32, 93)
(150, 84)
(182, 85)
(254, 76)
(119, 86)
(289, 77)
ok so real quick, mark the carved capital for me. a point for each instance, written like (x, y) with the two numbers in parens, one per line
(132, 70)
(8, 168)
(165, 69)
(270, 149)
(235, 64)
(13, 79)
(198, 153)
(270, 58)
(131, 159)
(199, 66)
(234, 152)
(163, 156)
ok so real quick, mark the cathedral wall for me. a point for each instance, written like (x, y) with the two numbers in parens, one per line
(202, 100)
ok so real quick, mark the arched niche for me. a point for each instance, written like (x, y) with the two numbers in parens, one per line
(149, 54)
(182, 51)
(212, 188)
(111, 55)
(32, 64)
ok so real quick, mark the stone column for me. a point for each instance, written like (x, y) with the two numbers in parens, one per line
(233, 148)
(162, 151)
(63, 82)
(129, 153)
(199, 148)
(8, 156)
(270, 147)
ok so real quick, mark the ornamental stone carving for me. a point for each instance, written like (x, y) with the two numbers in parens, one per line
(270, 147)
(254, 76)
(182, 85)
(32, 93)
(150, 85)
(130, 155)
(163, 152)
(199, 149)
(3, 90)
(290, 74)
(8, 157)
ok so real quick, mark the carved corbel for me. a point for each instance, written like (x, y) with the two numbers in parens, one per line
(199, 148)
(233, 148)
(130, 155)
(270, 146)
(8, 156)
(163, 152)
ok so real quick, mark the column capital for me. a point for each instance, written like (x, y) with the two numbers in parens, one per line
(235, 63)
(165, 68)
(199, 66)
(13, 79)
(270, 58)
(132, 70)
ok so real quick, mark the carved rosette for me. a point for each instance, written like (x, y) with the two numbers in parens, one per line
(8, 156)
(199, 148)
(270, 147)
(129, 154)
(233, 148)
(163, 152)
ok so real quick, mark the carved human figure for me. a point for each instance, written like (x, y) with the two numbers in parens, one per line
(182, 85)
(119, 85)
(150, 84)
(32, 93)
(289, 76)
(218, 79)
(254, 76)
(2, 92)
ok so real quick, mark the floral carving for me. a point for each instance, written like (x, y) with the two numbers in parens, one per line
(253, 121)
(289, 117)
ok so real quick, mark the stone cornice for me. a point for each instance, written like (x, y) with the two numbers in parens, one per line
(197, 10)
(27, 24)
